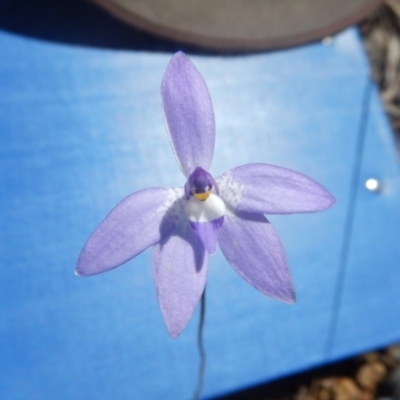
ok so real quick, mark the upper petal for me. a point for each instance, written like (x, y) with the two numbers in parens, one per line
(137, 222)
(268, 189)
(254, 250)
(180, 271)
(188, 113)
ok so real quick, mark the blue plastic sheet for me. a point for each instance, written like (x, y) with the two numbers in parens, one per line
(81, 127)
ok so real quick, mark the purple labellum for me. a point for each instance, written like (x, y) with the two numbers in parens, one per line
(184, 224)
(208, 233)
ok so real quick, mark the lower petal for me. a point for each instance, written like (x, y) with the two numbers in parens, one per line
(180, 271)
(254, 250)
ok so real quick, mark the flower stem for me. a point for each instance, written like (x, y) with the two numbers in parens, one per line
(200, 345)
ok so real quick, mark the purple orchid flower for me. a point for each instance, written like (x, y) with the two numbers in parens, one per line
(184, 224)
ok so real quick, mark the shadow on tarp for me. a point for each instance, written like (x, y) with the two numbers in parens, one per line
(80, 22)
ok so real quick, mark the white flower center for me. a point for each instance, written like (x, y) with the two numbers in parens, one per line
(205, 210)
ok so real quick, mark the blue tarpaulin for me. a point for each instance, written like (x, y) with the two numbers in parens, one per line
(81, 127)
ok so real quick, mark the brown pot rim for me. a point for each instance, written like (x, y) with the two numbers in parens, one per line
(238, 44)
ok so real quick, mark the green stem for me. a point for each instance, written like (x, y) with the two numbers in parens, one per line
(200, 345)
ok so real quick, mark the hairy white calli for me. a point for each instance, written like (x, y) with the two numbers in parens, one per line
(205, 211)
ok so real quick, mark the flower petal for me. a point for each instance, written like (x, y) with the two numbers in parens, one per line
(254, 250)
(180, 271)
(268, 189)
(137, 222)
(188, 113)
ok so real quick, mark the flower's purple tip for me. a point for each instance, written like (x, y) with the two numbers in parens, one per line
(330, 200)
(77, 273)
(293, 301)
(290, 296)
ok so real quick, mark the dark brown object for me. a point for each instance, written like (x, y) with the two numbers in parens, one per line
(370, 375)
(241, 25)
(381, 32)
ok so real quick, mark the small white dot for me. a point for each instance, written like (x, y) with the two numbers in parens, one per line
(372, 184)
(327, 41)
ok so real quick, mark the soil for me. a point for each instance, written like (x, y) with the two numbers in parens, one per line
(381, 36)
(374, 375)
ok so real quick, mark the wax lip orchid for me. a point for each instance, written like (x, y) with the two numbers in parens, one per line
(185, 224)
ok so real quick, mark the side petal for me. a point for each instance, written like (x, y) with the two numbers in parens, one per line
(137, 222)
(188, 113)
(254, 250)
(268, 189)
(180, 271)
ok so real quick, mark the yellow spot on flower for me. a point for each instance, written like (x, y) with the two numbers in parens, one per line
(202, 196)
